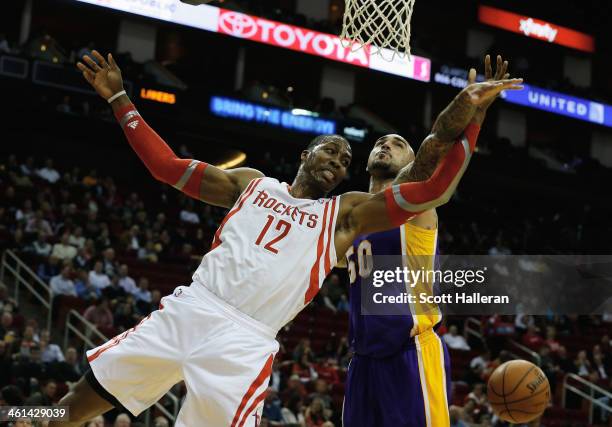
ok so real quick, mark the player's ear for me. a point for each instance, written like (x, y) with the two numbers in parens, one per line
(304, 155)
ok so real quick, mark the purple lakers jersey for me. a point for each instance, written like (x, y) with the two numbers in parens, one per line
(377, 335)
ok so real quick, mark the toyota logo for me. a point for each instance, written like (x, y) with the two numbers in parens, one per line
(238, 24)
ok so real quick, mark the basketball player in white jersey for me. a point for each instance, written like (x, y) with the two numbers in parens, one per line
(268, 260)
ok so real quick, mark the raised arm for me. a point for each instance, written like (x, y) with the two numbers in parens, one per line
(468, 108)
(194, 178)
(364, 213)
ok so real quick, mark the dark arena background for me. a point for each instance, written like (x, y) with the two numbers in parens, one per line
(90, 241)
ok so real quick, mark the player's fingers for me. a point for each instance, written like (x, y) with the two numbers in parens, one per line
(92, 64)
(472, 76)
(504, 70)
(88, 76)
(511, 81)
(488, 70)
(100, 59)
(499, 64)
(112, 62)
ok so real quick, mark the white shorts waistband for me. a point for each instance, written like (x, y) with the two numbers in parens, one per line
(232, 312)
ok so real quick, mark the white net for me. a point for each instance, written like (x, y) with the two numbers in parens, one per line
(380, 24)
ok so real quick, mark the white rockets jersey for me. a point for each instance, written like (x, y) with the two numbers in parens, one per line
(271, 253)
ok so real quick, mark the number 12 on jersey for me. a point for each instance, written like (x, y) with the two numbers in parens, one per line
(282, 226)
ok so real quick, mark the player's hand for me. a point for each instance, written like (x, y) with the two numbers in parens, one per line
(103, 75)
(501, 73)
(483, 94)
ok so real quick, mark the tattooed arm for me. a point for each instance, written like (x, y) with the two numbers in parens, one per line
(468, 107)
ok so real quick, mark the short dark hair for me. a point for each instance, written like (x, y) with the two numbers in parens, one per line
(322, 139)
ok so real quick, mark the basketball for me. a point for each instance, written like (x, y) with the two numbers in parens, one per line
(518, 391)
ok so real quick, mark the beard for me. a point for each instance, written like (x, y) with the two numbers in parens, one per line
(382, 169)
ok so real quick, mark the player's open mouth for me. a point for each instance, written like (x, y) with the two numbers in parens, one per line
(329, 175)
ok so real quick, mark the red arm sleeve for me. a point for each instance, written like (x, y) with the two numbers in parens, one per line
(183, 174)
(407, 200)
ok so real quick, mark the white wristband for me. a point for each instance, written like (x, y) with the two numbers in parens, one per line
(115, 96)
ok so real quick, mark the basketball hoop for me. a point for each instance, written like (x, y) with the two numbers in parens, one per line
(380, 24)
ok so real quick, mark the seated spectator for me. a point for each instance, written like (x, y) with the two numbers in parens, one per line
(8, 332)
(293, 412)
(143, 293)
(125, 281)
(130, 239)
(49, 352)
(45, 397)
(125, 318)
(600, 367)
(304, 369)
(148, 252)
(328, 371)
(272, 408)
(456, 414)
(547, 365)
(48, 173)
(28, 167)
(27, 341)
(109, 264)
(316, 414)
(26, 213)
(103, 240)
(551, 339)
(51, 267)
(188, 215)
(532, 338)
(64, 250)
(301, 348)
(84, 289)
(29, 369)
(563, 362)
(83, 258)
(99, 314)
(455, 341)
(69, 369)
(62, 284)
(97, 277)
(582, 364)
(114, 291)
(76, 238)
(321, 391)
(6, 303)
(39, 224)
(478, 366)
(40, 246)
(122, 420)
(294, 389)
(476, 402)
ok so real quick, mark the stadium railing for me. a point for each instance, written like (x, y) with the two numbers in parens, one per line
(473, 326)
(521, 352)
(603, 399)
(23, 277)
(85, 330)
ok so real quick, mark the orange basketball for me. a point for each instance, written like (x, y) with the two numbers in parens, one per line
(518, 391)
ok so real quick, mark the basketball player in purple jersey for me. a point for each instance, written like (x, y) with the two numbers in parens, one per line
(400, 373)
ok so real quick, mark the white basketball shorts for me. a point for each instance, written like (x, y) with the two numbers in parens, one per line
(224, 357)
